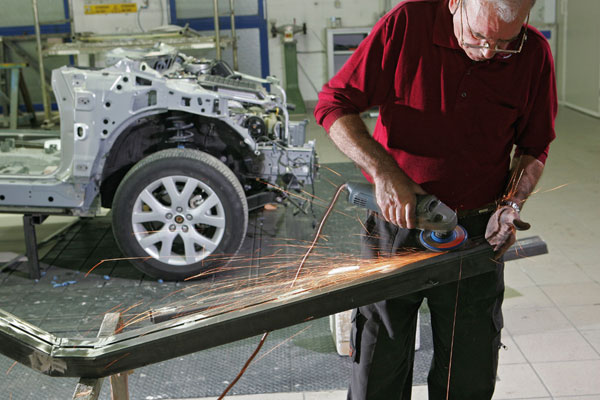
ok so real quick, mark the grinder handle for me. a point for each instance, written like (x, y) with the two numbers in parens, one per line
(431, 213)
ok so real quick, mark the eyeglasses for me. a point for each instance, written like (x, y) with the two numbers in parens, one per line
(486, 45)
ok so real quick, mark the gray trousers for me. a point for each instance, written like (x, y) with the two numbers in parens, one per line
(383, 334)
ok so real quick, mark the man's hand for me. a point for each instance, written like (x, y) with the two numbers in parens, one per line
(394, 191)
(396, 197)
(501, 229)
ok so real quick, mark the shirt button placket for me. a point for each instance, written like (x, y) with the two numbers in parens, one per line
(463, 94)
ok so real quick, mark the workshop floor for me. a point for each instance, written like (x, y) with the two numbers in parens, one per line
(552, 306)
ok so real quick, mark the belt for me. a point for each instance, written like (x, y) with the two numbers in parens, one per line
(488, 208)
(475, 221)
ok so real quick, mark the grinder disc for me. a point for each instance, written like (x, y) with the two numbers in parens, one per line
(436, 242)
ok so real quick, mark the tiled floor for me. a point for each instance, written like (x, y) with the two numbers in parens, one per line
(552, 309)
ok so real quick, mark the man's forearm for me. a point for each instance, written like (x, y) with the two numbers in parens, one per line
(526, 172)
(352, 137)
(394, 190)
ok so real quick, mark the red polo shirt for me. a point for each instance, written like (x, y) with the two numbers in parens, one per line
(450, 123)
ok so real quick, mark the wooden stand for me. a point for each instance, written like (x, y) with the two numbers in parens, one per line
(89, 389)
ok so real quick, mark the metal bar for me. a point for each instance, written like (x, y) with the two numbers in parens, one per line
(264, 38)
(234, 45)
(5, 98)
(30, 30)
(25, 38)
(38, 39)
(69, 12)
(31, 246)
(31, 134)
(18, 50)
(3, 82)
(46, 240)
(14, 97)
(96, 358)
(525, 248)
(27, 98)
(217, 29)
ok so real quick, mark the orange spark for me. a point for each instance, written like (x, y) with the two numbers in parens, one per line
(116, 360)
(11, 367)
(329, 169)
(556, 188)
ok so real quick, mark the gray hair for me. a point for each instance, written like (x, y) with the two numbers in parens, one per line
(507, 10)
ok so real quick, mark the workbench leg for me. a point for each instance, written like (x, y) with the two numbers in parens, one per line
(119, 383)
(119, 386)
(14, 97)
(89, 389)
(31, 245)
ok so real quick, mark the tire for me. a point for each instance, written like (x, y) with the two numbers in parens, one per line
(178, 213)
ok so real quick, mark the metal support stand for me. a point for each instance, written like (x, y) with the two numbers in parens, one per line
(29, 223)
(292, 86)
(217, 30)
(89, 389)
(234, 43)
(45, 98)
(14, 97)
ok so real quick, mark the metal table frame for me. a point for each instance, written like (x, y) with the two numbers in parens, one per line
(105, 356)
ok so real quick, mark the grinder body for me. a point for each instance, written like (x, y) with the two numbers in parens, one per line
(438, 222)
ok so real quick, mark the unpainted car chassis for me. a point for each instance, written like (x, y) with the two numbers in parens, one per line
(180, 148)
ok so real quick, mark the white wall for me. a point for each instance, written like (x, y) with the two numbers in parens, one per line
(578, 61)
(543, 17)
(312, 57)
(155, 14)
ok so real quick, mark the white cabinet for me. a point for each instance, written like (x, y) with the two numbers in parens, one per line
(341, 43)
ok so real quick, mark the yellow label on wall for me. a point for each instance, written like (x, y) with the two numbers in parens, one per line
(110, 8)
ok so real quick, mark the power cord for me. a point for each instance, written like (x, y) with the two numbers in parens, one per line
(146, 5)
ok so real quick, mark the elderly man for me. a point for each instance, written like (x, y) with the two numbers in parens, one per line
(459, 84)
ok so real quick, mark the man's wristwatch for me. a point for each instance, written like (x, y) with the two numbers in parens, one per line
(512, 204)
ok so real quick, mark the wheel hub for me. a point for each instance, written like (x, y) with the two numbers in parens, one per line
(179, 219)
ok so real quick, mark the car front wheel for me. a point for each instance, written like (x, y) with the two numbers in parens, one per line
(179, 212)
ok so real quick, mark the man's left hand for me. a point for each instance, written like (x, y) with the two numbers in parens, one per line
(501, 229)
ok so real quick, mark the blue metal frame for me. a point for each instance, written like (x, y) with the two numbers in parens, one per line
(30, 30)
(241, 22)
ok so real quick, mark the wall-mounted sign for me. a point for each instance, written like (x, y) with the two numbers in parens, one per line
(110, 8)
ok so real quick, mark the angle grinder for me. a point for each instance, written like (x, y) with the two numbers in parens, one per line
(437, 222)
